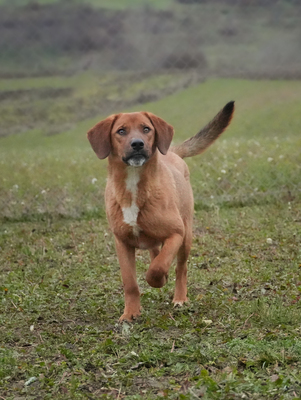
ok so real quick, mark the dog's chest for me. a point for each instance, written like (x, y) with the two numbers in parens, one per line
(130, 212)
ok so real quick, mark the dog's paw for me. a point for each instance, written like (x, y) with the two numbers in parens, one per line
(179, 303)
(156, 278)
(129, 317)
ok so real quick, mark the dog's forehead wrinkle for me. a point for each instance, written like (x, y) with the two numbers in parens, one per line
(134, 131)
(119, 125)
(137, 118)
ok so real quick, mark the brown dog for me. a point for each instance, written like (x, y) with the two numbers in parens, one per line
(149, 200)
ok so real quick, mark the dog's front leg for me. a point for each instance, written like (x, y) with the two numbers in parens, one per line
(157, 273)
(126, 257)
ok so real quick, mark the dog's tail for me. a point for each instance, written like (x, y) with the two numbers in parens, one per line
(203, 139)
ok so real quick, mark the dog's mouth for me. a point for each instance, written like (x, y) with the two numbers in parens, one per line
(135, 160)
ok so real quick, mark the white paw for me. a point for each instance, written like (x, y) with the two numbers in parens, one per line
(179, 303)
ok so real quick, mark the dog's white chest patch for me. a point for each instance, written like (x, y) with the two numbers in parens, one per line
(130, 214)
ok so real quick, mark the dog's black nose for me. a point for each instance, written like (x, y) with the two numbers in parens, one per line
(137, 144)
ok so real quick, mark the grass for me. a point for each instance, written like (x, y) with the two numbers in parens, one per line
(116, 4)
(60, 288)
(239, 335)
(56, 104)
(256, 161)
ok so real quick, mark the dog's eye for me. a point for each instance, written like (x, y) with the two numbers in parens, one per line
(121, 131)
(146, 129)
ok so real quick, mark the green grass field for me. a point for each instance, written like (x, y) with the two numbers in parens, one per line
(56, 104)
(60, 288)
(115, 4)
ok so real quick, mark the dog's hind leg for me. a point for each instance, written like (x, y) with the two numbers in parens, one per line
(180, 296)
(154, 252)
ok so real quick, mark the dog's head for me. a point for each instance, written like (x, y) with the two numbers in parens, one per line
(132, 137)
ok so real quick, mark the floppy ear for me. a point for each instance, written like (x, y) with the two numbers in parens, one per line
(164, 132)
(99, 137)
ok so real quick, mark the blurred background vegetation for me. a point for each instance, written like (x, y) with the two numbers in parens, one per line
(94, 57)
(250, 38)
(66, 64)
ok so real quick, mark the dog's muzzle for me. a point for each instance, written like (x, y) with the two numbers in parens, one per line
(137, 156)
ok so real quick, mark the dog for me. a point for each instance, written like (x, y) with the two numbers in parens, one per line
(148, 196)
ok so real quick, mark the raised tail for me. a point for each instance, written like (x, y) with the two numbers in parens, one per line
(203, 139)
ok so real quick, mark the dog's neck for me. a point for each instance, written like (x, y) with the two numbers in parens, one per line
(131, 183)
(119, 172)
(131, 188)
